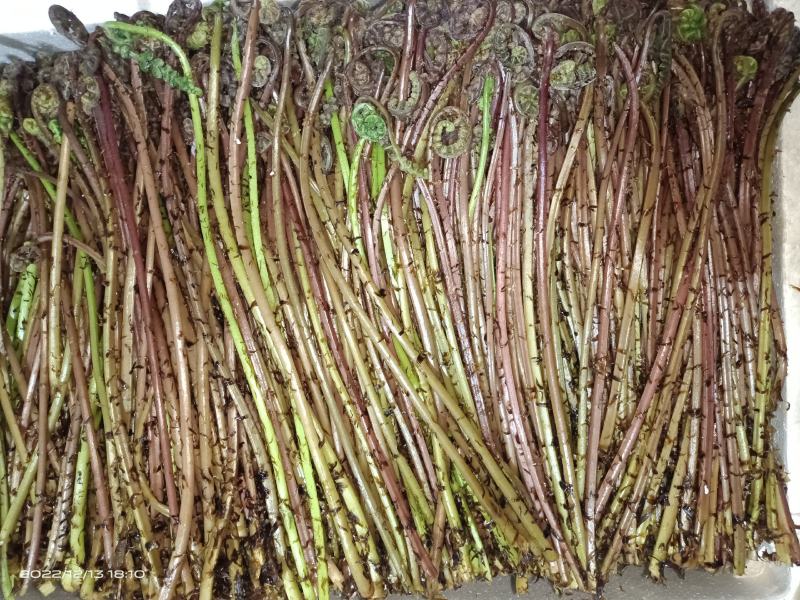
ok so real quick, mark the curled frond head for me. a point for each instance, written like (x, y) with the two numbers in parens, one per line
(746, 68)
(369, 67)
(691, 24)
(62, 72)
(31, 127)
(512, 46)
(433, 13)
(563, 76)
(269, 12)
(526, 99)
(262, 69)
(441, 50)
(574, 68)
(368, 123)
(267, 63)
(467, 18)
(45, 101)
(504, 11)
(199, 36)
(390, 32)
(451, 133)
(88, 93)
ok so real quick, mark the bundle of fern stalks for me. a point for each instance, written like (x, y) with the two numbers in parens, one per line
(371, 299)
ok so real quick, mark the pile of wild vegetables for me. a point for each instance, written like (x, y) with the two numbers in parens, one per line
(391, 298)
